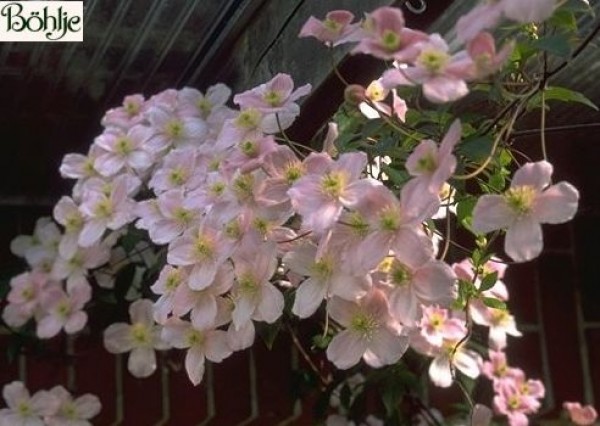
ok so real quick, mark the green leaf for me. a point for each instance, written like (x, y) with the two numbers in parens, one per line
(488, 281)
(555, 44)
(492, 302)
(398, 177)
(562, 94)
(477, 148)
(564, 19)
(464, 211)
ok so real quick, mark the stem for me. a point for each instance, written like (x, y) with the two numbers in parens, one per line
(447, 236)
(287, 139)
(297, 237)
(309, 361)
(336, 70)
(543, 126)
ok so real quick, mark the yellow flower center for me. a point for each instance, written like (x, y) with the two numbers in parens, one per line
(390, 40)
(333, 183)
(140, 334)
(204, 106)
(194, 337)
(520, 198)
(124, 146)
(365, 325)
(400, 274)
(177, 176)
(174, 129)
(332, 25)
(433, 60)
(204, 247)
(248, 119)
(272, 98)
(293, 172)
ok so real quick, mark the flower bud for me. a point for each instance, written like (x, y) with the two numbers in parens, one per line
(354, 94)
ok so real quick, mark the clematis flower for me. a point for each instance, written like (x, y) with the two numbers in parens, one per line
(529, 202)
(127, 115)
(320, 198)
(23, 409)
(73, 412)
(254, 297)
(334, 30)
(63, 310)
(123, 150)
(386, 37)
(102, 211)
(204, 249)
(141, 338)
(370, 332)
(412, 280)
(433, 166)
(581, 415)
(200, 342)
(497, 369)
(182, 168)
(41, 248)
(203, 305)
(325, 279)
(172, 129)
(443, 76)
(275, 96)
(66, 212)
(193, 102)
(482, 49)
(391, 223)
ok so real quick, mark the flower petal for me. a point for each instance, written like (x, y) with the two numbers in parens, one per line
(557, 204)
(523, 240)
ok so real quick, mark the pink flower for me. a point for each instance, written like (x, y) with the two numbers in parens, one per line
(66, 212)
(192, 102)
(25, 410)
(482, 17)
(275, 96)
(441, 74)
(253, 295)
(204, 249)
(201, 342)
(141, 338)
(497, 369)
(334, 30)
(370, 333)
(482, 49)
(528, 11)
(390, 223)
(325, 279)
(437, 326)
(433, 166)
(122, 150)
(529, 202)
(102, 210)
(73, 412)
(128, 115)
(181, 168)
(320, 198)
(411, 280)
(63, 310)
(172, 129)
(581, 415)
(386, 37)
(41, 248)
(203, 305)
(26, 292)
(179, 213)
